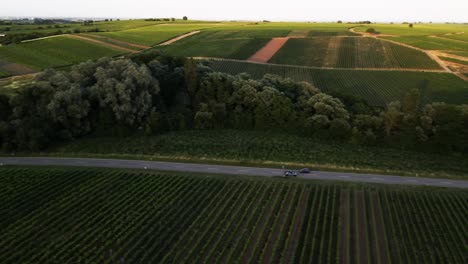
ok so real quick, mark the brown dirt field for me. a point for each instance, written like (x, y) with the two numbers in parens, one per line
(379, 223)
(112, 46)
(361, 237)
(297, 226)
(344, 229)
(15, 68)
(269, 50)
(298, 34)
(116, 41)
(169, 42)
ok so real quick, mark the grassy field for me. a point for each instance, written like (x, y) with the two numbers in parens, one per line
(377, 87)
(152, 35)
(417, 30)
(216, 44)
(351, 53)
(432, 43)
(266, 149)
(454, 60)
(97, 215)
(54, 52)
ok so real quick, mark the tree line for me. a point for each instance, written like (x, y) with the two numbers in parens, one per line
(148, 94)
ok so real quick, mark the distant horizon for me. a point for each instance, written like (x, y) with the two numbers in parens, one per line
(230, 20)
(437, 11)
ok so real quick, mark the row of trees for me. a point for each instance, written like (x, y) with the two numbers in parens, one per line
(149, 94)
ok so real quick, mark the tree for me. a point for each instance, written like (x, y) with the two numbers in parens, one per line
(172, 19)
(411, 102)
(185, 18)
(411, 25)
(340, 22)
(126, 89)
(392, 117)
(371, 31)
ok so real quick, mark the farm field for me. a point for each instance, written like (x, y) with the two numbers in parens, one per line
(432, 43)
(377, 87)
(258, 148)
(53, 52)
(152, 35)
(417, 30)
(99, 215)
(351, 53)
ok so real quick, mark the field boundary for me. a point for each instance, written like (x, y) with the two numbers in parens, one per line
(102, 43)
(180, 37)
(323, 68)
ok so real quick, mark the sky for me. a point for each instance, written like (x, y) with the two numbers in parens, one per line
(284, 10)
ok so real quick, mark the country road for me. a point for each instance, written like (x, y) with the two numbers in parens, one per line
(230, 170)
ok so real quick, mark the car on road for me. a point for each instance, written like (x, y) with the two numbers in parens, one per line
(290, 173)
(304, 170)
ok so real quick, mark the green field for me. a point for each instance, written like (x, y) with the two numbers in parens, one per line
(454, 60)
(152, 35)
(417, 30)
(216, 44)
(54, 52)
(432, 43)
(268, 149)
(377, 87)
(351, 53)
(102, 216)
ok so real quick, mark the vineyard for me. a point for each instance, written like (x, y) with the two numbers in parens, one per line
(58, 215)
(351, 53)
(377, 87)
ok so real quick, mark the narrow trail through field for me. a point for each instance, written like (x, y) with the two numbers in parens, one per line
(36, 39)
(324, 68)
(112, 46)
(119, 42)
(269, 50)
(169, 42)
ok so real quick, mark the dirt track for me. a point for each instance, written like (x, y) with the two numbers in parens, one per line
(169, 42)
(112, 46)
(97, 37)
(269, 50)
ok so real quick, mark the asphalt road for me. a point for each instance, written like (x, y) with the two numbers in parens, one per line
(231, 170)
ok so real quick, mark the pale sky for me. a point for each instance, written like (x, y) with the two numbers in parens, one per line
(285, 10)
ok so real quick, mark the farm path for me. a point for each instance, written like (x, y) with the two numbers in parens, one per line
(269, 50)
(228, 170)
(324, 68)
(173, 40)
(111, 40)
(109, 45)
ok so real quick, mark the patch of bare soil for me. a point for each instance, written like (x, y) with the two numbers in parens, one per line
(380, 236)
(361, 237)
(298, 34)
(109, 45)
(15, 68)
(344, 229)
(115, 41)
(269, 50)
(169, 42)
(297, 226)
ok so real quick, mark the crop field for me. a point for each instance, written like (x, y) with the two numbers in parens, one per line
(417, 30)
(432, 43)
(351, 53)
(97, 215)
(54, 52)
(152, 35)
(377, 87)
(267, 149)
